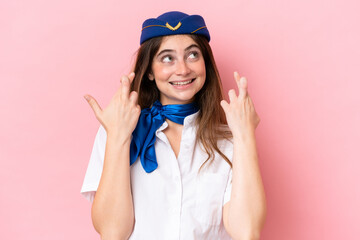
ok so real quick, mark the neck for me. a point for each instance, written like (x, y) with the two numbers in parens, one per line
(163, 102)
(174, 126)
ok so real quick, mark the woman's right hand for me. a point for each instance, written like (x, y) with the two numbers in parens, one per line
(120, 117)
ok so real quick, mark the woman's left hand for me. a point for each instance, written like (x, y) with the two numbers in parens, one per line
(240, 112)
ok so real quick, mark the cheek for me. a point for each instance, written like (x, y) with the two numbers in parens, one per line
(200, 66)
(162, 72)
(202, 69)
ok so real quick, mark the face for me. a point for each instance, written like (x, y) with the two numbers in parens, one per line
(178, 68)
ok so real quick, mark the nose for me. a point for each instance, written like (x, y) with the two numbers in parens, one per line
(182, 68)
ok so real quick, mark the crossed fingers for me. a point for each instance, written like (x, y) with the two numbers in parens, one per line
(241, 82)
(122, 93)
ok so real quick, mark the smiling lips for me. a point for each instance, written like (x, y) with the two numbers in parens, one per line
(182, 83)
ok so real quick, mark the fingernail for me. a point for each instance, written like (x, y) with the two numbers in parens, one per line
(86, 98)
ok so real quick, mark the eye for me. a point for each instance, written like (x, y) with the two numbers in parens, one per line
(194, 55)
(167, 59)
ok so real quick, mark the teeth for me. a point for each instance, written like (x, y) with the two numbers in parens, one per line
(181, 83)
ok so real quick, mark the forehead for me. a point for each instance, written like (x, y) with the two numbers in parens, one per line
(176, 42)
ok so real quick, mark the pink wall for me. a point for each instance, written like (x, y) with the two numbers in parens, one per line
(302, 63)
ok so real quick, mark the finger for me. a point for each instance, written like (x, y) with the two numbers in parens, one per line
(224, 105)
(131, 77)
(133, 97)
(232, 95)
(250, 100)
(125, 88)
(242, 88)
(94, 105)
(241, 85)
(237, 79)
(117, 94)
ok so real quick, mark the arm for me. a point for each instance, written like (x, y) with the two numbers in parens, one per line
(244, 215)
(112, 210)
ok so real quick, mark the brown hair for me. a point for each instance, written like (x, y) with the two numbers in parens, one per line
(211, 118)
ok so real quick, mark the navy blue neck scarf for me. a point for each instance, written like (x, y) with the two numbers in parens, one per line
(143, 137)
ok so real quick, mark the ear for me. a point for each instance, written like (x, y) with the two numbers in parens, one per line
(151, 76)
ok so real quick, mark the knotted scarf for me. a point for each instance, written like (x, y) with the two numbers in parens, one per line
(150, 119)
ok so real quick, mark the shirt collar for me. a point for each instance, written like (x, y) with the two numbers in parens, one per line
(190, 120)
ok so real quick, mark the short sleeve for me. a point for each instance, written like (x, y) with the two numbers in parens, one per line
(95, 166)
(227, 193)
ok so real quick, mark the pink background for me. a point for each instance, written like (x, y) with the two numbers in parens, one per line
(301, 59)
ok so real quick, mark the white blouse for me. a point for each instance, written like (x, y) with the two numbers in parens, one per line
(173, 201)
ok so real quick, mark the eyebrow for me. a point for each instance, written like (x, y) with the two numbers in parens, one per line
(171, 50)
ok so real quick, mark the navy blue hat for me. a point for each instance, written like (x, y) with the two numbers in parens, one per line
(171, 23)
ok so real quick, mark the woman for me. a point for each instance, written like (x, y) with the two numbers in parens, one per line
(190, 176)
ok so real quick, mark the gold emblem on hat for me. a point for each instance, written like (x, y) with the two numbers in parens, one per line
(173, 28)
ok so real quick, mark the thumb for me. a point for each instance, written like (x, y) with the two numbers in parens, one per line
(93, 104)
